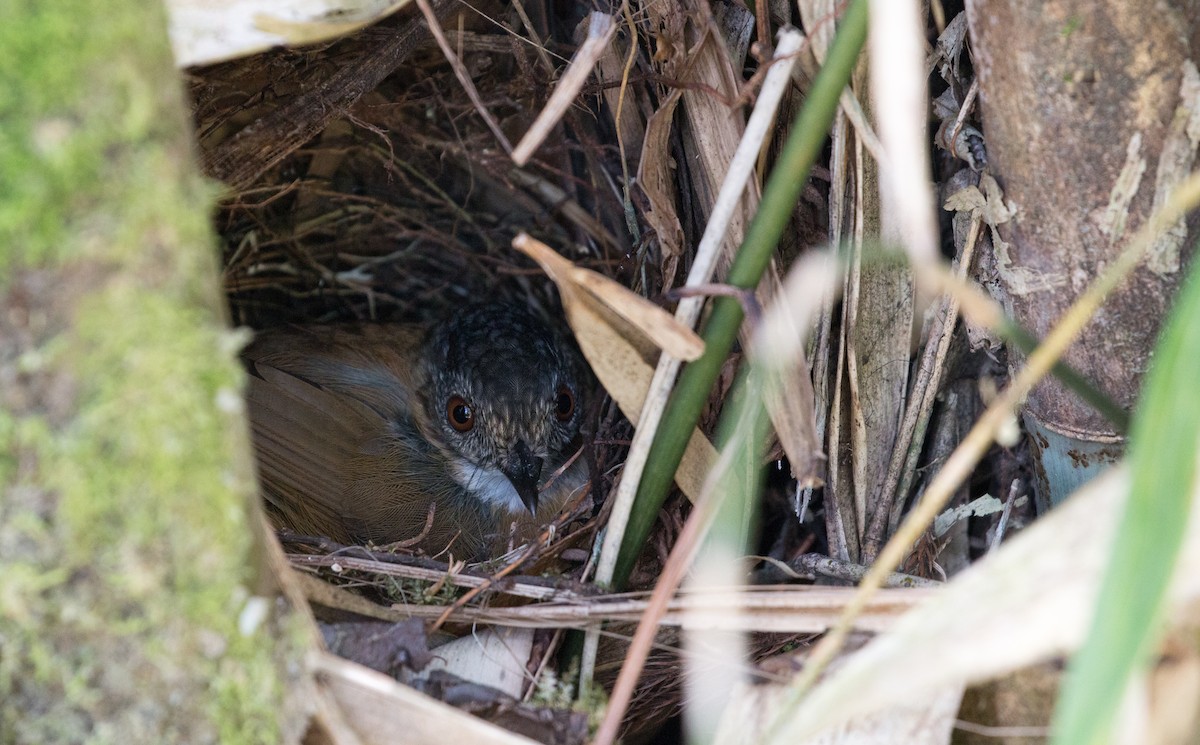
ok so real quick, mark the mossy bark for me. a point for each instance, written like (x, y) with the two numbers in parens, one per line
(132, 603)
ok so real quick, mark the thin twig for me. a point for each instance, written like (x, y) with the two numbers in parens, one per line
(538, 44)
(460, 71)
(748, 300)
(1002, 525)
(410, 542)
(601, 30)
(962, 115)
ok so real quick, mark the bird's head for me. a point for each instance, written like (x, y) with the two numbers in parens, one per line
(505, 399)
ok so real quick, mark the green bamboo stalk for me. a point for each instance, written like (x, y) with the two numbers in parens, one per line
(779, 199)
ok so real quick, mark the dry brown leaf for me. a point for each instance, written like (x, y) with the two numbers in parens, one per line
(659, 326)
(791, 405)
(618, 331)
(658, 182)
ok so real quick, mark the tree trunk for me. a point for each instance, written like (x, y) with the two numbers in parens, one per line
(133, 602)
(1091, 115)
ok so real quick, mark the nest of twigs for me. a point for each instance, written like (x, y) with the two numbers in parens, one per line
(405, 208)
(400, 203)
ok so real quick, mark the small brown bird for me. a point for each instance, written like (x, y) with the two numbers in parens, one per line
(362, 429)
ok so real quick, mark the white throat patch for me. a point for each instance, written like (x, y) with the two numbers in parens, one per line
(488, 485)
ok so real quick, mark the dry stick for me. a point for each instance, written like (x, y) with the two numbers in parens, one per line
(552, 650)
(898, 491)
(1031, 732)
(787, 610)
(762, 24)
(521, 586)
(858, 119)
(460, 72)
(959, 465)
(962, 114)
(740, 169)
(629, 60)
(534, 39)
(917, 416)
(1013, 490)
(601, 30)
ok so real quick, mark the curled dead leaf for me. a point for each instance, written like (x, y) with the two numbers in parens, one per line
(620, 334)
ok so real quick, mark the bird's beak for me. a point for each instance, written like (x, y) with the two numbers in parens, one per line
(523, 470)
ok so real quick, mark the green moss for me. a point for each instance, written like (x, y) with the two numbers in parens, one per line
(124, 528)
(407, 591)
(50, 144)
(558, 692)
(1073, 24)
(133, 578)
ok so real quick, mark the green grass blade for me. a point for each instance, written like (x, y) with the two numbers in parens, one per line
(1162, 456)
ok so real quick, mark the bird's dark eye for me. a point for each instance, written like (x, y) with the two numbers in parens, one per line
(460, 414)
(564, 404)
